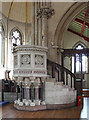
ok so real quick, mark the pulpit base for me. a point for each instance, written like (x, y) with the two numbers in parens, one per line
(44, 107)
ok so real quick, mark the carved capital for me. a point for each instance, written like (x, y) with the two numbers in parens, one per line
(45, 12)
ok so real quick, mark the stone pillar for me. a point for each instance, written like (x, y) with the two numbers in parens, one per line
(43, 91)
(32, 92)
(33, 24)
(36, 25)
(37, 93)
(44, 30)
(3, 51)
(17, 91)
(21, 92)
(44, 13)
(24, 93)
(40, 32)
(28, 96)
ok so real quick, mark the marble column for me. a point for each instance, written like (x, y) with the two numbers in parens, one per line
(28, 96)
(43, 91)
(32, 92)
(24, 93)
(37, 93)
(21, 92)
(17, 91)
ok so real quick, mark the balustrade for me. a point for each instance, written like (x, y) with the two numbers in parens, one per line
(63, 74)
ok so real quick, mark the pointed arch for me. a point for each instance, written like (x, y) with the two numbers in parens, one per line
(81, 43)
(66, 19)
(19, 31)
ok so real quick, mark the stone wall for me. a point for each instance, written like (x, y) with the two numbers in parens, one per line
(57, 93)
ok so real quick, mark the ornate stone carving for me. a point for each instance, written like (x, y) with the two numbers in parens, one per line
(15, 61)
(48, 12)
(39, 60)
(30, 48)
(25, 60)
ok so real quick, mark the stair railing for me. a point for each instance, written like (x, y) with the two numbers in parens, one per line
(62, 74)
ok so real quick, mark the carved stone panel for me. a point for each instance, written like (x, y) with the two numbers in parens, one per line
(39, 60)
(25, 60)
(45, 12)
(15, 61)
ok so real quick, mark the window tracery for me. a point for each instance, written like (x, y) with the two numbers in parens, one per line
(16, 38)
(81, 61)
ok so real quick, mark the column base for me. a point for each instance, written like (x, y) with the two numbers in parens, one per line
(44, 107)
(32, 104)
(37, 102)
(30, 108)
(29, 102)
(43, 103)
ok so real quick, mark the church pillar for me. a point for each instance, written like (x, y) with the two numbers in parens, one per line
(32, 92)
(36, 25)
(28, 95)
(37, 93)
(44, 13)
(33, 24)
(43, 91)
(44, 30)
(17, 91)
(21, 92)
(3, 51)
(40, 31)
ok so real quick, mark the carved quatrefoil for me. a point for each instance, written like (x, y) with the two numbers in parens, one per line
(25, 59)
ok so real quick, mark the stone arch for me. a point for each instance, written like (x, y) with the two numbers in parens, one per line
(79, 42)
(69, 15)
(22, 35)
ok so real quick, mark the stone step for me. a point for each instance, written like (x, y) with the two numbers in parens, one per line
(57, 93)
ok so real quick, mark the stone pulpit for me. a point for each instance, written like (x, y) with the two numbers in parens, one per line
(30, 71)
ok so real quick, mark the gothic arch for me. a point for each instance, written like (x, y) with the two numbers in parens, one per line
(66, 19)
(80, 43)
(17, 28)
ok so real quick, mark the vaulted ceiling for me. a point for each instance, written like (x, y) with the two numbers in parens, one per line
(80, 25)
(18, 11)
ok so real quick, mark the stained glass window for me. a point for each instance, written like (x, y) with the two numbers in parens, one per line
(81, 61)
(16, 37)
